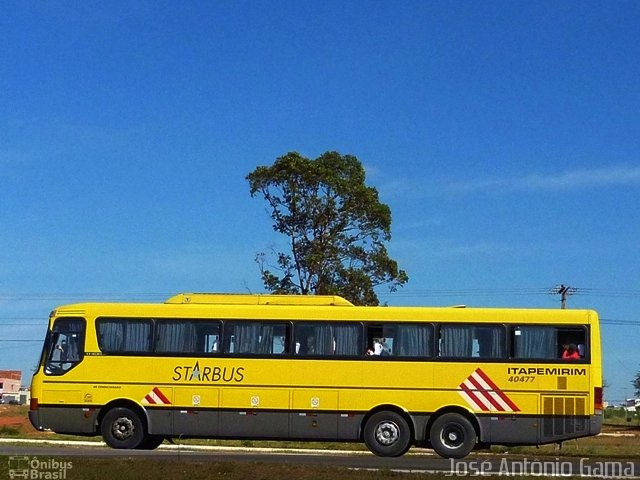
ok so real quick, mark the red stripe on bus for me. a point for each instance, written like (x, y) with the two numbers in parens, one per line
(486, 394)
(161, 396)
(474, 398)
(497, 390)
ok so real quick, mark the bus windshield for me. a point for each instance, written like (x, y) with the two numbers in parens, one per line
(65, 346)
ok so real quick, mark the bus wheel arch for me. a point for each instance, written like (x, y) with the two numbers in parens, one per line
(124, 425)
(388, 431)
(453, 432)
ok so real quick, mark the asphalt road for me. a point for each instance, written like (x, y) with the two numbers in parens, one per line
(420, 462)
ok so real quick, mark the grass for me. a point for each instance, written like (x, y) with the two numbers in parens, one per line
(142, 469)
(596, 447)
(621, 417)
(9, 431)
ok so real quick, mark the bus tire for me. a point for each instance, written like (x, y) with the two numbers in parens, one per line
(452, 435)
(387, 434)
(122, 428)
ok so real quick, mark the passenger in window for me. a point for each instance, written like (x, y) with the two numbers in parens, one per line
(311, 345)
(570, 352)
(380, 347)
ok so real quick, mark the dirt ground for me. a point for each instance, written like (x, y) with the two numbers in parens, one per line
(12, 415)
(16, 417)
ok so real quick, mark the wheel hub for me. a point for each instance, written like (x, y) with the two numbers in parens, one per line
(387, 433)
(123, 428)
(452, 436)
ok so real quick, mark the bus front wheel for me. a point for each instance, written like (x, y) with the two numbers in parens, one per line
(452, 435)
(122, 428)
(387, 434)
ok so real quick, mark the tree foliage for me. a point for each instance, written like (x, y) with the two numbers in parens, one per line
(336, 228)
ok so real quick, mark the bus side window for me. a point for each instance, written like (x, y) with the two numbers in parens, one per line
(122, 336)
(256, 338)
(546, 342)
(412, 340)
(328, 339)
(571, 343)
(472, 341)
(381, 340)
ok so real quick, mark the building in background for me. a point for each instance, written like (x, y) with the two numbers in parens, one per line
(632, 404)
(10, 383)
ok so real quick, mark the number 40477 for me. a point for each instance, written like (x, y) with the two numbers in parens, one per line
(521, 378)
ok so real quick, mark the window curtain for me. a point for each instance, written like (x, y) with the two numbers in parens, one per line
(498, 347)
(138, 337)
(323, 339)
(413, 341)
(455, 341)
(347, 338)
(491, 342)
(246, 337)
(125, 336)
(112, 335)
(536, 342)
(176, 337)
(266, 339)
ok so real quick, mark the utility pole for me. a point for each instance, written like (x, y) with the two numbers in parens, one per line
(564, 291)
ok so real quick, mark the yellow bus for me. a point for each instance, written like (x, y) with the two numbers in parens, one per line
(319, 368)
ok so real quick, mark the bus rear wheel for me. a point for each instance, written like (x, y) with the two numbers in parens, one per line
(452, 435)
(122, 428)
(387, 434)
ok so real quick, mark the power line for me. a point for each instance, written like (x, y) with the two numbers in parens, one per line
(22, 318)
(587, 291)
(610, 292)
(81, 296)
(22, 324)
(608, 321)
(468, 292)
(20, 340)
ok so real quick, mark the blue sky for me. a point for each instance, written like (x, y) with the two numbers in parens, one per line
(503, 135)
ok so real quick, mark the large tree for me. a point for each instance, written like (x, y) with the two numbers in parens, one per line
(336, 228)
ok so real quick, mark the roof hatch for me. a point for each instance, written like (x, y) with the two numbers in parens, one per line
(241, 299)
